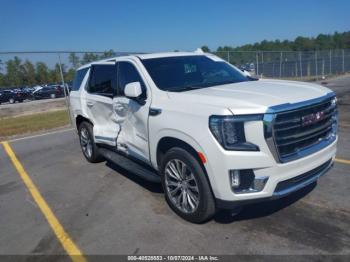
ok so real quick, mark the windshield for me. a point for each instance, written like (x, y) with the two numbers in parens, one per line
(190, 72)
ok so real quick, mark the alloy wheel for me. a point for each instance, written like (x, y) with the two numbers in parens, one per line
(181, 186)
(85, 142)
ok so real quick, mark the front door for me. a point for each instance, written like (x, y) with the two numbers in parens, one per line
(131, 115)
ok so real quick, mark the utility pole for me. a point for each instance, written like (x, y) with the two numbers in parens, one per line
(64, 86)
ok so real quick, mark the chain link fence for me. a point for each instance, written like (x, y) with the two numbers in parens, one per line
(30, 69)
(297, 65)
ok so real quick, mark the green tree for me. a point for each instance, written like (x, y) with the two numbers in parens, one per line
(89, 57)
(74, 60)
(28, 73)
(205, 49)
(107, 54)
(14, 71)
(69, 76)
(42, 73)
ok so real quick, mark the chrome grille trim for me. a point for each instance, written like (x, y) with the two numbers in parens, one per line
(286, 136)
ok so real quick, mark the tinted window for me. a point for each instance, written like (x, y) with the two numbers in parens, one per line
(102, 79)
(79, 76)
(190, 72)
(127, 73)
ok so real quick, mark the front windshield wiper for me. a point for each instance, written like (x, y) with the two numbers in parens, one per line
(185, 88)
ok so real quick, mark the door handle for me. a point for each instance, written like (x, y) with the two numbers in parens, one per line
(155, 111)
(90, 104)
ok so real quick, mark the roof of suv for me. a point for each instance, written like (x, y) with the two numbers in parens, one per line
(146, 56)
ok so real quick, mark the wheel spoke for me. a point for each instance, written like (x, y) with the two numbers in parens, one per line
(193, 197)
(190, 202)
(179, 165)
(172, 174)
(171, 183)
(175, 190)
(184, 200)
(83, 140)
(193, 188)
(174, 171)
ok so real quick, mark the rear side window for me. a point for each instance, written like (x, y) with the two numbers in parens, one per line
(102, 79)
(79, 76)
(127, 73)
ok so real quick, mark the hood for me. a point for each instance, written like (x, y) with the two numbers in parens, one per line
(252, 96)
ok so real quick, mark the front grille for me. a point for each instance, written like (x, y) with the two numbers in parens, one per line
(299, 129)
(309, 176)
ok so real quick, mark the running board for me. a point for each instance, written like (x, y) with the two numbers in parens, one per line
(140, 170)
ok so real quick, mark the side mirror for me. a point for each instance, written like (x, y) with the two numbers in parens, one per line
(133, 90)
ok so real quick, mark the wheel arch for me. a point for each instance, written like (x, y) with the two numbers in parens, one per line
(79, 119)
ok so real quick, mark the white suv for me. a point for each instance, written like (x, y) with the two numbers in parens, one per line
(214, 137)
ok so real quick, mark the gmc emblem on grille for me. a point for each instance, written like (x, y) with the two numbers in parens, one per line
(312, 118)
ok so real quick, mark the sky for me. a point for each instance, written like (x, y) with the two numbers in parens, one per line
(155, 25)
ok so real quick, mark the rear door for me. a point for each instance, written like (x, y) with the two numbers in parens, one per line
(97, 102)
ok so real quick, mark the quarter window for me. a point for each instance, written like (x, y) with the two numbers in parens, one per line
(102, 79)
(79, 76)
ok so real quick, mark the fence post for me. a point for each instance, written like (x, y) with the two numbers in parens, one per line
(262, 63)
(64, 87)
(316, 69)
(330, 61)
(257, 63)
(228, 56)
(301, 67)
(323, 62)
(281, 65)
(343, 61)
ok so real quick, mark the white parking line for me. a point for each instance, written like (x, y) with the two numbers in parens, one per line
(39, 135)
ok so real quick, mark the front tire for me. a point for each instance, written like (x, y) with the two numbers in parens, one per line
(11, 101)
(87, 144)
(186, 186)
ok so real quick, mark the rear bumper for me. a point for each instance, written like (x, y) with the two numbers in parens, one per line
(283, 188)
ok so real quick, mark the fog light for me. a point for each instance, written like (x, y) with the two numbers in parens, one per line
(235, 179)
(244, 181)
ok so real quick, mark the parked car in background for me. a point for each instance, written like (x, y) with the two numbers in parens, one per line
(10, 96)
(23, 92)
(48, 92)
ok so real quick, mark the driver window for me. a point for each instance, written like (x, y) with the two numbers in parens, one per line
(127, 73)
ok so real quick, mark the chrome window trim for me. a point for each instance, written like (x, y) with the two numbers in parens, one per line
(268, 122)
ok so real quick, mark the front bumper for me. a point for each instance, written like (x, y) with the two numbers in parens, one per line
(283, 188)
(262, 163)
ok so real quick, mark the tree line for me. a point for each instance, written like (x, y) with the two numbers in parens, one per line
(19, 73)
(16, 72)
(320, 42)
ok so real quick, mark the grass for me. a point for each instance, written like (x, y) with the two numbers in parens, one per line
(32, 123)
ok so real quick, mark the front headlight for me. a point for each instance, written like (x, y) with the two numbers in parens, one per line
(229, 131)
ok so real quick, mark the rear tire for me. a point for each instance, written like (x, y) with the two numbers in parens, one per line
(52, 96)
(11, 101)
(87, 144)
(188, 193)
